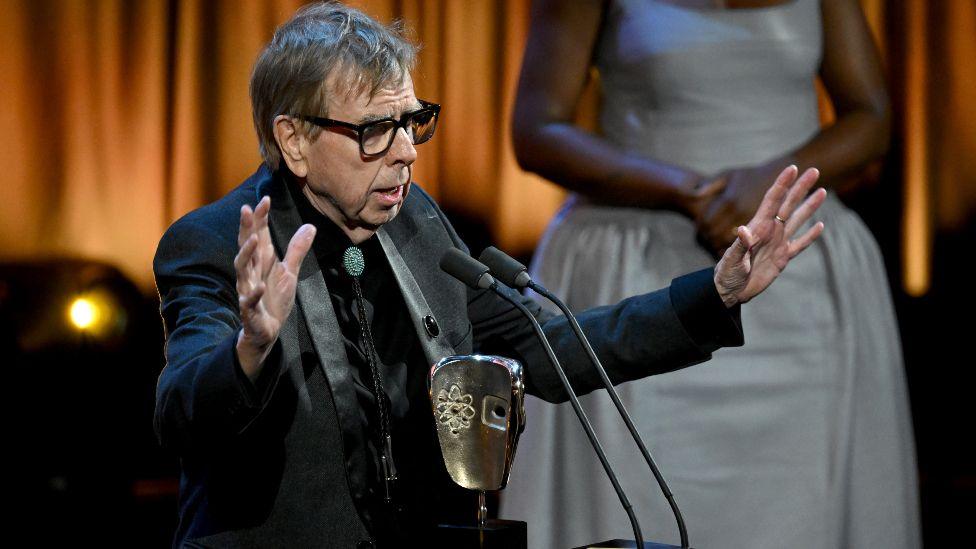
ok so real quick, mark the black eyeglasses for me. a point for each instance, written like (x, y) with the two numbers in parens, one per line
(376, 137)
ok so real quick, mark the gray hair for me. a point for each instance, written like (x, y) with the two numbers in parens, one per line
(290, 74)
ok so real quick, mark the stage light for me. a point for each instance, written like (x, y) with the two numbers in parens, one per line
(95, 313)
(83, 313)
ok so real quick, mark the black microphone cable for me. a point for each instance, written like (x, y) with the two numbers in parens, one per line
(475, 274)
(514, 274)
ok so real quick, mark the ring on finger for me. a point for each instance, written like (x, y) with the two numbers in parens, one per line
(780, 219)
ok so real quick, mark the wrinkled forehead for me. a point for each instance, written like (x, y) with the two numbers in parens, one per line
(350, 83)
(348, 91)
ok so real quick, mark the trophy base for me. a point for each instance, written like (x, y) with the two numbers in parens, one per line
(625, 543)
(497, 534)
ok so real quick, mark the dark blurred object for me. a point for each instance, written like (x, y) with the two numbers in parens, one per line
(936, 329)
(81, 349)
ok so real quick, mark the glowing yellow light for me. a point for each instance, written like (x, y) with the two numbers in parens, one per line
(83, 313)
(96, 314)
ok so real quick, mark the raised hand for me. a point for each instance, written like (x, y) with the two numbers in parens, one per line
(265, 284)
(764, 247)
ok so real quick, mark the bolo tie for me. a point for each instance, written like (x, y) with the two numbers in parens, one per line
(355, 264)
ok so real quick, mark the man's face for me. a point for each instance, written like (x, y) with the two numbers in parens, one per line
(361, 193)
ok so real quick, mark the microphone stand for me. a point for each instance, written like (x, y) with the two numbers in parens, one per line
(515, 275)
(475, 275)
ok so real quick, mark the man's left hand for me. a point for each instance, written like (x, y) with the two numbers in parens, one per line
(764, 246)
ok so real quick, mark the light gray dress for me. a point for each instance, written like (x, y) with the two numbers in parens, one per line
(801, 438)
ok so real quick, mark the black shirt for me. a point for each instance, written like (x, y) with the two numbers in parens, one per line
(425, 492)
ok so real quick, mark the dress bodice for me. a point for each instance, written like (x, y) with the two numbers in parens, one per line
(709, 89)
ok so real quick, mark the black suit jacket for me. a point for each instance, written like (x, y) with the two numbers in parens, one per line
(264, 464)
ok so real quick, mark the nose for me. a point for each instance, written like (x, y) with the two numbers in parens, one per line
(403, 150)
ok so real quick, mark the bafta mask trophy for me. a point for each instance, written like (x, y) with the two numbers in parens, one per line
(479, 411)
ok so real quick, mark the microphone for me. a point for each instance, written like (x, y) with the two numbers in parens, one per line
(475, 275)
(514, 274)
(466, 269)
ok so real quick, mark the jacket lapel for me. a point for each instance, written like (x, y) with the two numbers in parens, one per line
(431, 337)
(313, 302)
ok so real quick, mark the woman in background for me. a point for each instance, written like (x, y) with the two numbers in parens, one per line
(802, 438)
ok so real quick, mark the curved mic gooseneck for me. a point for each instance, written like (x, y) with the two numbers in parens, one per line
(475, 274)
(514, 274)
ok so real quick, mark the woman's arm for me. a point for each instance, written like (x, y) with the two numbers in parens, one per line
(851, 72)
(557, 59)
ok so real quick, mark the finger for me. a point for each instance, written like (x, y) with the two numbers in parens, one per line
(264, 205)
(808, 238)
(248, 301)
(722, 228)
(299, 246)
(244, 256)
(247, 277)
(712, 214)
(798, 192)
(261, 214)
(705, 198)
(266, 255)
(712, 209)
(745, 235)
(776, 193)
(743, 242)
(247, 222)
(712, 187)
(802, 214)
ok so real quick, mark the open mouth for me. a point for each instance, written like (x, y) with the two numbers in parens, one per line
(391, 195)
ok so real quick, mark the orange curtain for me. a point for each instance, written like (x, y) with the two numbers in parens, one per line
(930, 55)
(930, 51)
(938, 85)
(120, 116)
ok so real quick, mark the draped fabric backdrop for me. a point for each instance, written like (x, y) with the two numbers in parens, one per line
(118, 117)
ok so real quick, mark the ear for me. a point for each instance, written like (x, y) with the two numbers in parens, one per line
(291, 142)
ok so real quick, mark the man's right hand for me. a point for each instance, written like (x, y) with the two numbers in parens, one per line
(265, 284)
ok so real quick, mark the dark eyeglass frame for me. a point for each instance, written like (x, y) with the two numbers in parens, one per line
(360, 129)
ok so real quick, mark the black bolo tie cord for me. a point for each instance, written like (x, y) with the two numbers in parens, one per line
(354, 265)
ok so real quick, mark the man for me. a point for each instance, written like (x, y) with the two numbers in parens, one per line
(295, 388)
